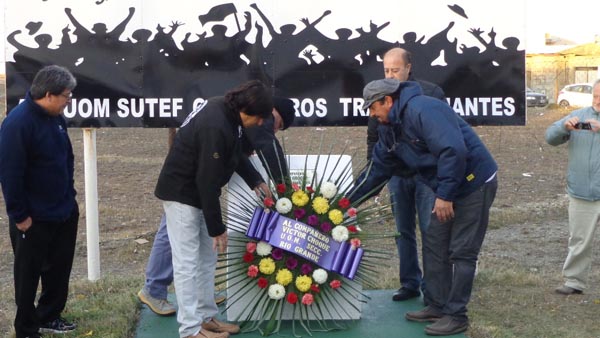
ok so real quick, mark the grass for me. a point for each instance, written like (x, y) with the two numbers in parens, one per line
(512, 302)
(107, 308)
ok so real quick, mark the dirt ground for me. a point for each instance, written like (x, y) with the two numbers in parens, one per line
(528, 225)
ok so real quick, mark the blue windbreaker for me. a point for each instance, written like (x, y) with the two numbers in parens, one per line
(428, 136)
(36, 164)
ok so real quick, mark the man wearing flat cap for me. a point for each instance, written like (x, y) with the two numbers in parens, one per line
(427, 136)
(262, 139)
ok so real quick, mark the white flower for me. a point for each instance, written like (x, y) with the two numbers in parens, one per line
(319, 276)
(276, 291)
(263, 248)
(339, 233)
(283, 205)
(328, 190)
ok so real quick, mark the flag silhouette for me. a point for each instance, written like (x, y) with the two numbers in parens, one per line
(217, 13)
(458, 10)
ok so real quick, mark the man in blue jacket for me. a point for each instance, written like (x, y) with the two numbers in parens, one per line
(409, 196)
(427, 136)
(36, 173)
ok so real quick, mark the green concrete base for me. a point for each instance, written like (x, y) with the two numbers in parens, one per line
(381, 318)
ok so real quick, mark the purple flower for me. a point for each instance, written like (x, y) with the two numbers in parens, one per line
(313, 220)
(326, 227)
(291, 263)
(306, 269)
(299, 213)
(277, 254)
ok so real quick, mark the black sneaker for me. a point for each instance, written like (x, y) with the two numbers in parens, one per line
(59, 325)
(405, 294)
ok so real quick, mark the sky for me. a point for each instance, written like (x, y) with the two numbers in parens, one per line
(575, 20)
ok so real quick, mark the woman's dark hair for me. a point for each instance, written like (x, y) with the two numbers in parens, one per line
(252, 97)
(52, 79)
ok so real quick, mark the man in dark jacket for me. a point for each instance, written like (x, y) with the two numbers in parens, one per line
(262, 139)
(409, 196)
(206, 151)
(427, 136)
(36, 173)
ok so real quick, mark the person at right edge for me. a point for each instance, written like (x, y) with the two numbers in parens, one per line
(409, 196)
(427, 136)
(207, 149)
(579, 130)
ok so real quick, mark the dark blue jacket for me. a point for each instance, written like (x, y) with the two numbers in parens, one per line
(429, 89)
(262, 140)
(36, 164)
(428, 137)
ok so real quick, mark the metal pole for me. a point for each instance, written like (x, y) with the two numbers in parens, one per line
(91, 203)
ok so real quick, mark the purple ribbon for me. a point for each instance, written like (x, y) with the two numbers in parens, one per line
(304, 241)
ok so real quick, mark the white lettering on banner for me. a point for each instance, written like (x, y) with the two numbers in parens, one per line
(86, 108)
(353, 104)
(197, 102)
(483, 106)
(149, 107)
(196, 110)
(308, 107)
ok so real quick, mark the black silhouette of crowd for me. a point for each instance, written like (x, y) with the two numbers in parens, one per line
(298, 59)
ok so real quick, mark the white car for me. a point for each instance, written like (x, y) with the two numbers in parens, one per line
(578, 94)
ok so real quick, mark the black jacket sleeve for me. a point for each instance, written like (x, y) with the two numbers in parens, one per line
(269, 151)
(372, 136)
(212, 161)
(247, 172)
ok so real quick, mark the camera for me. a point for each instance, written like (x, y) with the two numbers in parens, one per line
(583, 125)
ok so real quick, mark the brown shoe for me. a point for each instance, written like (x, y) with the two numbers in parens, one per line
(567, 290)
(209, 334)
(219, 326)
(446, 326)
(428, 314)
(219, 299)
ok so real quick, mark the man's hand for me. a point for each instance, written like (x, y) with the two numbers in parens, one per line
(262, 191)
(443, 210)
(220, 242)
(570, 123)
(25, 225)
(595, 124)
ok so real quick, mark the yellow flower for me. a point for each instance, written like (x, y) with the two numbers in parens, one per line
(300, 198)
(321, 205)
(303, 283)
(266, 266)
(336, 216)
(284, 277)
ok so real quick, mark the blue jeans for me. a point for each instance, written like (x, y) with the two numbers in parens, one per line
(159, 269)
(410, 197)
(451, 251)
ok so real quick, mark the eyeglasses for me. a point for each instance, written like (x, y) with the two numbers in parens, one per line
(67, 96)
